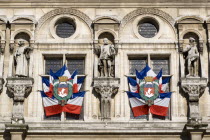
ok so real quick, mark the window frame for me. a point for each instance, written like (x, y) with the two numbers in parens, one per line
(64, 57)
(149, 58)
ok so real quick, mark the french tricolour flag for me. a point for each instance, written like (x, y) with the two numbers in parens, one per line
(147, 71)
(161, 104)
(74, 105)
(133, 85)
(165, 83)
(51, 105)
(137, 104)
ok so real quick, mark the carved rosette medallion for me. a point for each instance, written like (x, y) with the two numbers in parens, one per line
(107, 88)
(19, 89)
(194, 87)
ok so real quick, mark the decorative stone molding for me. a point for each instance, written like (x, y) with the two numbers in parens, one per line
(194, 88)
(151, 11)
(60, 11)
(1, 84)
(190, 19)
(3, 19)
(107, 88)
(29, 17)
(109, 19)
(19, 89)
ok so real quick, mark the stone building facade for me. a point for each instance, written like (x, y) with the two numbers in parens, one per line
(153, 32)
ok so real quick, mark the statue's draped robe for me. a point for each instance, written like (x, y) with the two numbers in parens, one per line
(21, 61)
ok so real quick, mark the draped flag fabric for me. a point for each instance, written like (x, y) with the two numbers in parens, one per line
(52, 104)
(142, 104)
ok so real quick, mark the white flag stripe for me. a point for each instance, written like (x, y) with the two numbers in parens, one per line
(162, 102)
(133, 88)
(79, 86)
(49, 101)
(151, 73)
(76, 101)
(164, 86)
(45, 88)
(67, 74)
(136, 102)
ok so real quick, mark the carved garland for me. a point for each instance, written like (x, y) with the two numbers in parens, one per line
(152, 11)
(55, 12)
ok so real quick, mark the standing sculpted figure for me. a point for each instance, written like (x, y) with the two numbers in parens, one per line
(21, 57)
(192, 58)
(106, 55)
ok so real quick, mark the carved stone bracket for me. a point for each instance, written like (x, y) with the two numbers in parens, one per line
(11, 47)
(194, 87)
(2, 47)
(18, 89)
(1, 84)
(107, 88)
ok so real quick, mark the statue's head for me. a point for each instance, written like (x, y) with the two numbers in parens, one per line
(106, 41)
(191, 40)
(21, 42)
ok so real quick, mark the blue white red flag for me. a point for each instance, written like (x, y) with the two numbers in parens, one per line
(147, 71)
(161, 104)
(74, 104)
(133, 85)
(157, 105)
(51, 104)
(138, 105)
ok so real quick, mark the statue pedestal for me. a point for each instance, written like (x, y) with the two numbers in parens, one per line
(1, 84)
(107, 88)
(19, 89)
(194, 87)
(17, 131)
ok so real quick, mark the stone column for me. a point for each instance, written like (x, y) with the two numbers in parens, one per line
(107, 88)
(194, 87)
(18, 89)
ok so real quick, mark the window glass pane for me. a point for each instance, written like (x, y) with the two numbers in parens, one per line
(65, 29)
(53, 117)
(158, 64)
(137, 64)
(78, 64)
(54, 64)
(147, 30)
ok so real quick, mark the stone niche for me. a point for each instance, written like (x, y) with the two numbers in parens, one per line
(208, 28)
(105, 27)
(3, 22)
(22, 24)
(191, 27)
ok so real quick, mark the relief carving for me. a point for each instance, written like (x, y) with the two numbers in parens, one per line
(18, 89)
(152, 11)
(61, 11)
(194, 88)
(106, 93)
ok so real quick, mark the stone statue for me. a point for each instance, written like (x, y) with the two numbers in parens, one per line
(106, 55)
(21, 57)
(192, 58)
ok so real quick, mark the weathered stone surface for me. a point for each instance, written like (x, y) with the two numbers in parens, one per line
(107, 88)
(19, 89)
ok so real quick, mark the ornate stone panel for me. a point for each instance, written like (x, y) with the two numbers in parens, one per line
(194, 88)
(19, 89)
(152, 11)
(107, 88)
(60, 11)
